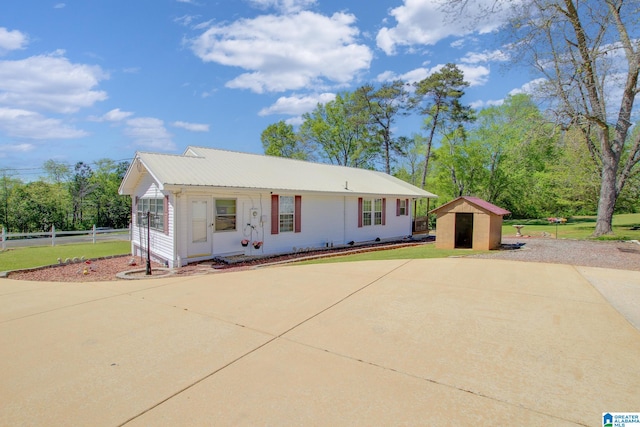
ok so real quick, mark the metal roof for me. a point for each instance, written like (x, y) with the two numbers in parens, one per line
(208, 167)
(480, 203)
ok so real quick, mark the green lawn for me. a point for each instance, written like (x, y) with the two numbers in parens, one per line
(411, 252)
(14, 259)
(577, 228)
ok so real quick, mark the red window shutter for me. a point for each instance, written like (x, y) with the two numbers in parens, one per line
(359, 212)
(384, 211)
(397, 207)
(297, 214)
(406, 207)
(275, 216)
(166, 214)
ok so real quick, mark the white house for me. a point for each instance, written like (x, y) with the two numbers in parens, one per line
(206, 202)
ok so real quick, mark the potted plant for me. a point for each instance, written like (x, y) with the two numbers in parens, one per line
(257, 244)
(245, 242)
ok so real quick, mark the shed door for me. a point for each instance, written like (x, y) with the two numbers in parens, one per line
(464, 230)
(199, 230)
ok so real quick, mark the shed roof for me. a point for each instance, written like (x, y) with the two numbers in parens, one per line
(480, 203)
(213, 168)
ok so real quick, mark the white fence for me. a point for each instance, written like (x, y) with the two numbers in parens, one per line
(43, 238)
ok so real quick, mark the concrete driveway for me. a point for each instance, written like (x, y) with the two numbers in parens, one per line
(420, 342)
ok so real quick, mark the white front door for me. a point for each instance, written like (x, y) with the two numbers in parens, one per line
(200, 235)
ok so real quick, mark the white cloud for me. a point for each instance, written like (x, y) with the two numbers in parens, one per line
(11, 40)
(475, 75)
(115, 115)
(485, 56)
(17, 148)
(294, 121)
(286, 52)
(426, 22)
(477, 105)
(149, 132)
(186, 20)
(20, 123)
(297, 105)
(285, 6)
(193, 127)
(529, 88)
(50, 82)
(60, 6)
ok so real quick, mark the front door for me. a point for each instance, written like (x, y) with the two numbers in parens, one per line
(464, 230)
(200, 244)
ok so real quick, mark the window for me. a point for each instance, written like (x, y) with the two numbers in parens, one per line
(286, 210)
(155, 208)
(371, 212)
(225, 215)
(402, 207)
(377, 212)
(286, 214)
(366, 212)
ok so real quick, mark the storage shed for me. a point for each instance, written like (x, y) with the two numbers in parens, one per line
(469, 222)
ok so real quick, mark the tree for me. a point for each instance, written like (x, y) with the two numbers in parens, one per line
(460, 168)
(280, 140)
(109, 208)
(7, 187)
(57, 172)
(589, 56)
(384, 105)
(438, 98)
(340, 129)
(517, 143)
(80, 187)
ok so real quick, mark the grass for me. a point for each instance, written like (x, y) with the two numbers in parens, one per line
(577, 228)
(411, 252)
(19, 258)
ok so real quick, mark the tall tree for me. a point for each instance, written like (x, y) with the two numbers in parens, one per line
(109, 209)
(57, 172)
(589, 55)
(340, 129)
(437, 97)
(385, 104)
(80, 187)
(518, 143)
(280, 140)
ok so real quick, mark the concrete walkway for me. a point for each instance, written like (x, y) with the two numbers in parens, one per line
(421, 342)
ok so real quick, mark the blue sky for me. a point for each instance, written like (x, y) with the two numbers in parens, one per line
(84, 80)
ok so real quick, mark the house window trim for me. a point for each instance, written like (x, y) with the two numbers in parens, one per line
(215, 216)
(402, 210)
(381, 220)
(157, 225)
(275, 214)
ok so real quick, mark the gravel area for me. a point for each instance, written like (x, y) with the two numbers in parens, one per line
(590, 253)
(617, 255)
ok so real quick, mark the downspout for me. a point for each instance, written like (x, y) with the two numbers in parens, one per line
(176, 257)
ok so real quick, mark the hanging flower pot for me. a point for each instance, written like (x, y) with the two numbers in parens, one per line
(244, 242)
(257, 245)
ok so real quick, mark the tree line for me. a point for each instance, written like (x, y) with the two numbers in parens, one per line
(511, 154)
(573, 151)
(69, 198)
